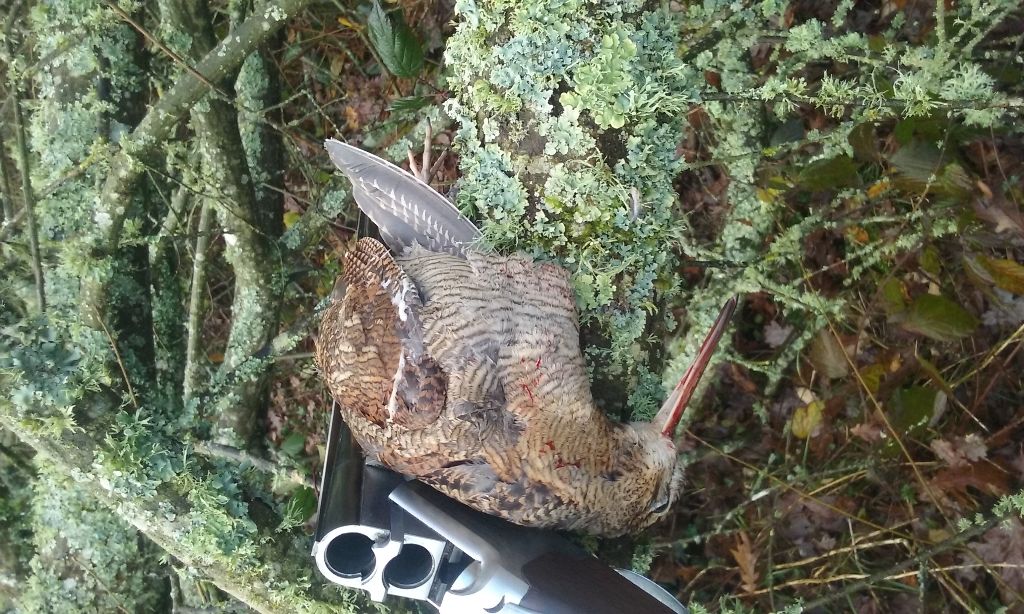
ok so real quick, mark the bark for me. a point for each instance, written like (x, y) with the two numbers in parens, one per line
(156, 127)
(251, 221)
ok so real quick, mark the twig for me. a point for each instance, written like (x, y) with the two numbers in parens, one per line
(172, 107)
(195, 303)
(28, 199)
(216, 450)
(117, 355)
(11, 224)
(787, 486)
(886, 574)
(162, 47)
(5, 184)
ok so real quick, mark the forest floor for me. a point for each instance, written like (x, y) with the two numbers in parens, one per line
(847, 480)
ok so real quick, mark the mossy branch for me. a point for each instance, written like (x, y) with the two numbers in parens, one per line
(28, 198)
(251, 226)
(163, 518)
(193, 328)
(223, 60)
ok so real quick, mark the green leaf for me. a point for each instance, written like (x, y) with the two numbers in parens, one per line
(394, 42)
(303, 502)
(834, 173)
(922, 166)
(938, 318)
(293, 445)
(930, 261)
(913, 408)
(891, 296)
(933, 374)
(409, 104)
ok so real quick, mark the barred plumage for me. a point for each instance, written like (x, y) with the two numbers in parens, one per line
(463, 368)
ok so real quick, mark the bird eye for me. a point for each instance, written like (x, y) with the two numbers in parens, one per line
(660, 507)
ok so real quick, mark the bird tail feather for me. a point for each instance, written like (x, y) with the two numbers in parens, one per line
(406, 210)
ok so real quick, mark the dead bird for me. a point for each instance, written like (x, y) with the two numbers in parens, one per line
(462, 367)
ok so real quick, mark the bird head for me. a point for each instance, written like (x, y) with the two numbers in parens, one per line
(665, 474)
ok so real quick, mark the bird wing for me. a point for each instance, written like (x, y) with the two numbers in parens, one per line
(370, 347)
(406, 210)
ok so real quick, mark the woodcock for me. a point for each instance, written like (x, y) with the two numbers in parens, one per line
(462, 367)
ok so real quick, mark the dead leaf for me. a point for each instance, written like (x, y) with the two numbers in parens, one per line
(1000, 212)
(1003, 545)
(962, 451)
(984, 477)
(352, 118)
(828, 356)
(878, 188)
(1006, 310)
(867, 431)
(775, 334)
(746, 560)
(807, 420)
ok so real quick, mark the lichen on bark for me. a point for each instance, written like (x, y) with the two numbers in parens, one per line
(568, 123)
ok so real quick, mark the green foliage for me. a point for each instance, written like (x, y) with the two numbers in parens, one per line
(528, 96)
(44, 377)
(394, 42)
(86, 558)
(570, 115)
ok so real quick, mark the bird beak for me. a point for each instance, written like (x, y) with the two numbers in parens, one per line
(670, 412)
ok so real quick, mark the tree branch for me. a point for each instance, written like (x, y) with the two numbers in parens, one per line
(250, 234)
(174, 105)
(195, 304)
(28, 198)
(163, 517)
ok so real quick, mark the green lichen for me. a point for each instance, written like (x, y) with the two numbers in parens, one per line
(556, 134)
(86, 558)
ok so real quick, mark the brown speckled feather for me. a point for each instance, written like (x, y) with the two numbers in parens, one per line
(463, 368)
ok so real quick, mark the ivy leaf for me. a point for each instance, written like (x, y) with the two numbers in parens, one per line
(938, 318)
(394, 42)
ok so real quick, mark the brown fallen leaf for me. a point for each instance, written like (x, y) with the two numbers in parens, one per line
(1003, 545)
(983, 476)
(746, 560)
(961, 451)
